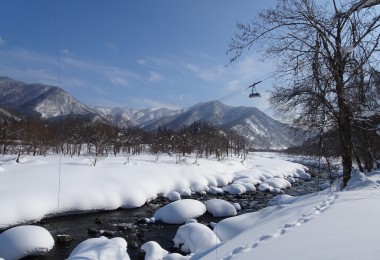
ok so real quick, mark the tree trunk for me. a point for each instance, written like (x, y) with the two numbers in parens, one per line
(345, 133)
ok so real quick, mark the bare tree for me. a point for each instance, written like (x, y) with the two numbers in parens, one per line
(324, 50)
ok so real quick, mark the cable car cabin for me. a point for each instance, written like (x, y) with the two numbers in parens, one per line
(254, 95)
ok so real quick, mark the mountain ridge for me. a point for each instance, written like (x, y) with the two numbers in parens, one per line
(52, 103)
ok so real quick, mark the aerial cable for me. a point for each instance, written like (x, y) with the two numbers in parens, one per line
(59, 85)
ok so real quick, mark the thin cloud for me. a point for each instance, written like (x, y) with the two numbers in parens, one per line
(2, 41)
(154, 77)
(208, 75)
(111, 46)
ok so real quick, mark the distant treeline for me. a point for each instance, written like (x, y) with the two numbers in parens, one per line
(73, 137)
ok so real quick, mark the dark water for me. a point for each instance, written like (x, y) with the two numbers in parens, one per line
(130, 224)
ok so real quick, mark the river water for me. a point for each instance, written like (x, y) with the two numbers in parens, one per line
(130, 224)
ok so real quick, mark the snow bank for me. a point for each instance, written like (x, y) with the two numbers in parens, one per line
(101, 248)
(26, 240)
(112, 183)
(194, 237)
(109, 185)
(220, 208)
(179, 211)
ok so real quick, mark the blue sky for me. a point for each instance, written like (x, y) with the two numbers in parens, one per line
(140, 54)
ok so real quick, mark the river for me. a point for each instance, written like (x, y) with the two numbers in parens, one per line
(130, 224)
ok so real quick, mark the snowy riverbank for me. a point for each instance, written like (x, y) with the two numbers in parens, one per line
(326, 225)
(42, 186)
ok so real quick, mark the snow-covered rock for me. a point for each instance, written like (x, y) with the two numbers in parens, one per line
(194, 237)
(220, 208)
(236, 189)
(215, 190)
(101, 248)
(173, 196)
(153, 251)
(274, 185)
(26, 240)
(179, 211)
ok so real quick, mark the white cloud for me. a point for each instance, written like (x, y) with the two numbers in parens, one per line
(154, 77)
(2, 41)
(65, 51)
(116, 75)
(208, 75)
(111, 46)
(150, 103)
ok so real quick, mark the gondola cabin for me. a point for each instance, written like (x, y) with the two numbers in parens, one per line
(254, 93)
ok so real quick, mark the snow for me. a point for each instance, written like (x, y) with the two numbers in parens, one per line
(236, 189)
(272, 184)
(173, 196)
(220, 208)
(112, 184)
(26, 240)
(193, 237)
(180, 211)
(153, 251)
(326, 225)
(101, 248)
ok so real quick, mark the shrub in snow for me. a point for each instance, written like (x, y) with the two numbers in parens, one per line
(101, 248)
(179, 211)
(26, 240)
(153, 251)
(193, 237)
(220, 208)
(236, 189)
(173, 196)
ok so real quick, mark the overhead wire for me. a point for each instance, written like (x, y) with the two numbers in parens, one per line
(59, 85)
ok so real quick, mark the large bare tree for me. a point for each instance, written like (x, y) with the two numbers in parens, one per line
(326, 52)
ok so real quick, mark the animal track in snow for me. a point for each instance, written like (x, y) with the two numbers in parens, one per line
(317, 210)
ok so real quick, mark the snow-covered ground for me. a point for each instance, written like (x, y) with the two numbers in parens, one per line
(327, 225)
(42, 186)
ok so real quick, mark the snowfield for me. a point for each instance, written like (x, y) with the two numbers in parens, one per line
(325, 225)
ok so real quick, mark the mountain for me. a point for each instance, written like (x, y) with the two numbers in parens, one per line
(38, 100)
(6, 115)
(48, 102)
(260, 129)
(131, 117)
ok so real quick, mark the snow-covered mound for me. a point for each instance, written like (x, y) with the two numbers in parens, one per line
(194, 237)
(179, 211)
(21, 241)
(153, 251)
(220, 208)
(101, 248)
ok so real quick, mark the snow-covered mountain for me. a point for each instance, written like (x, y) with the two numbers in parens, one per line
(131, 117)
(48, 102)
(260, 129)
(37, 100)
